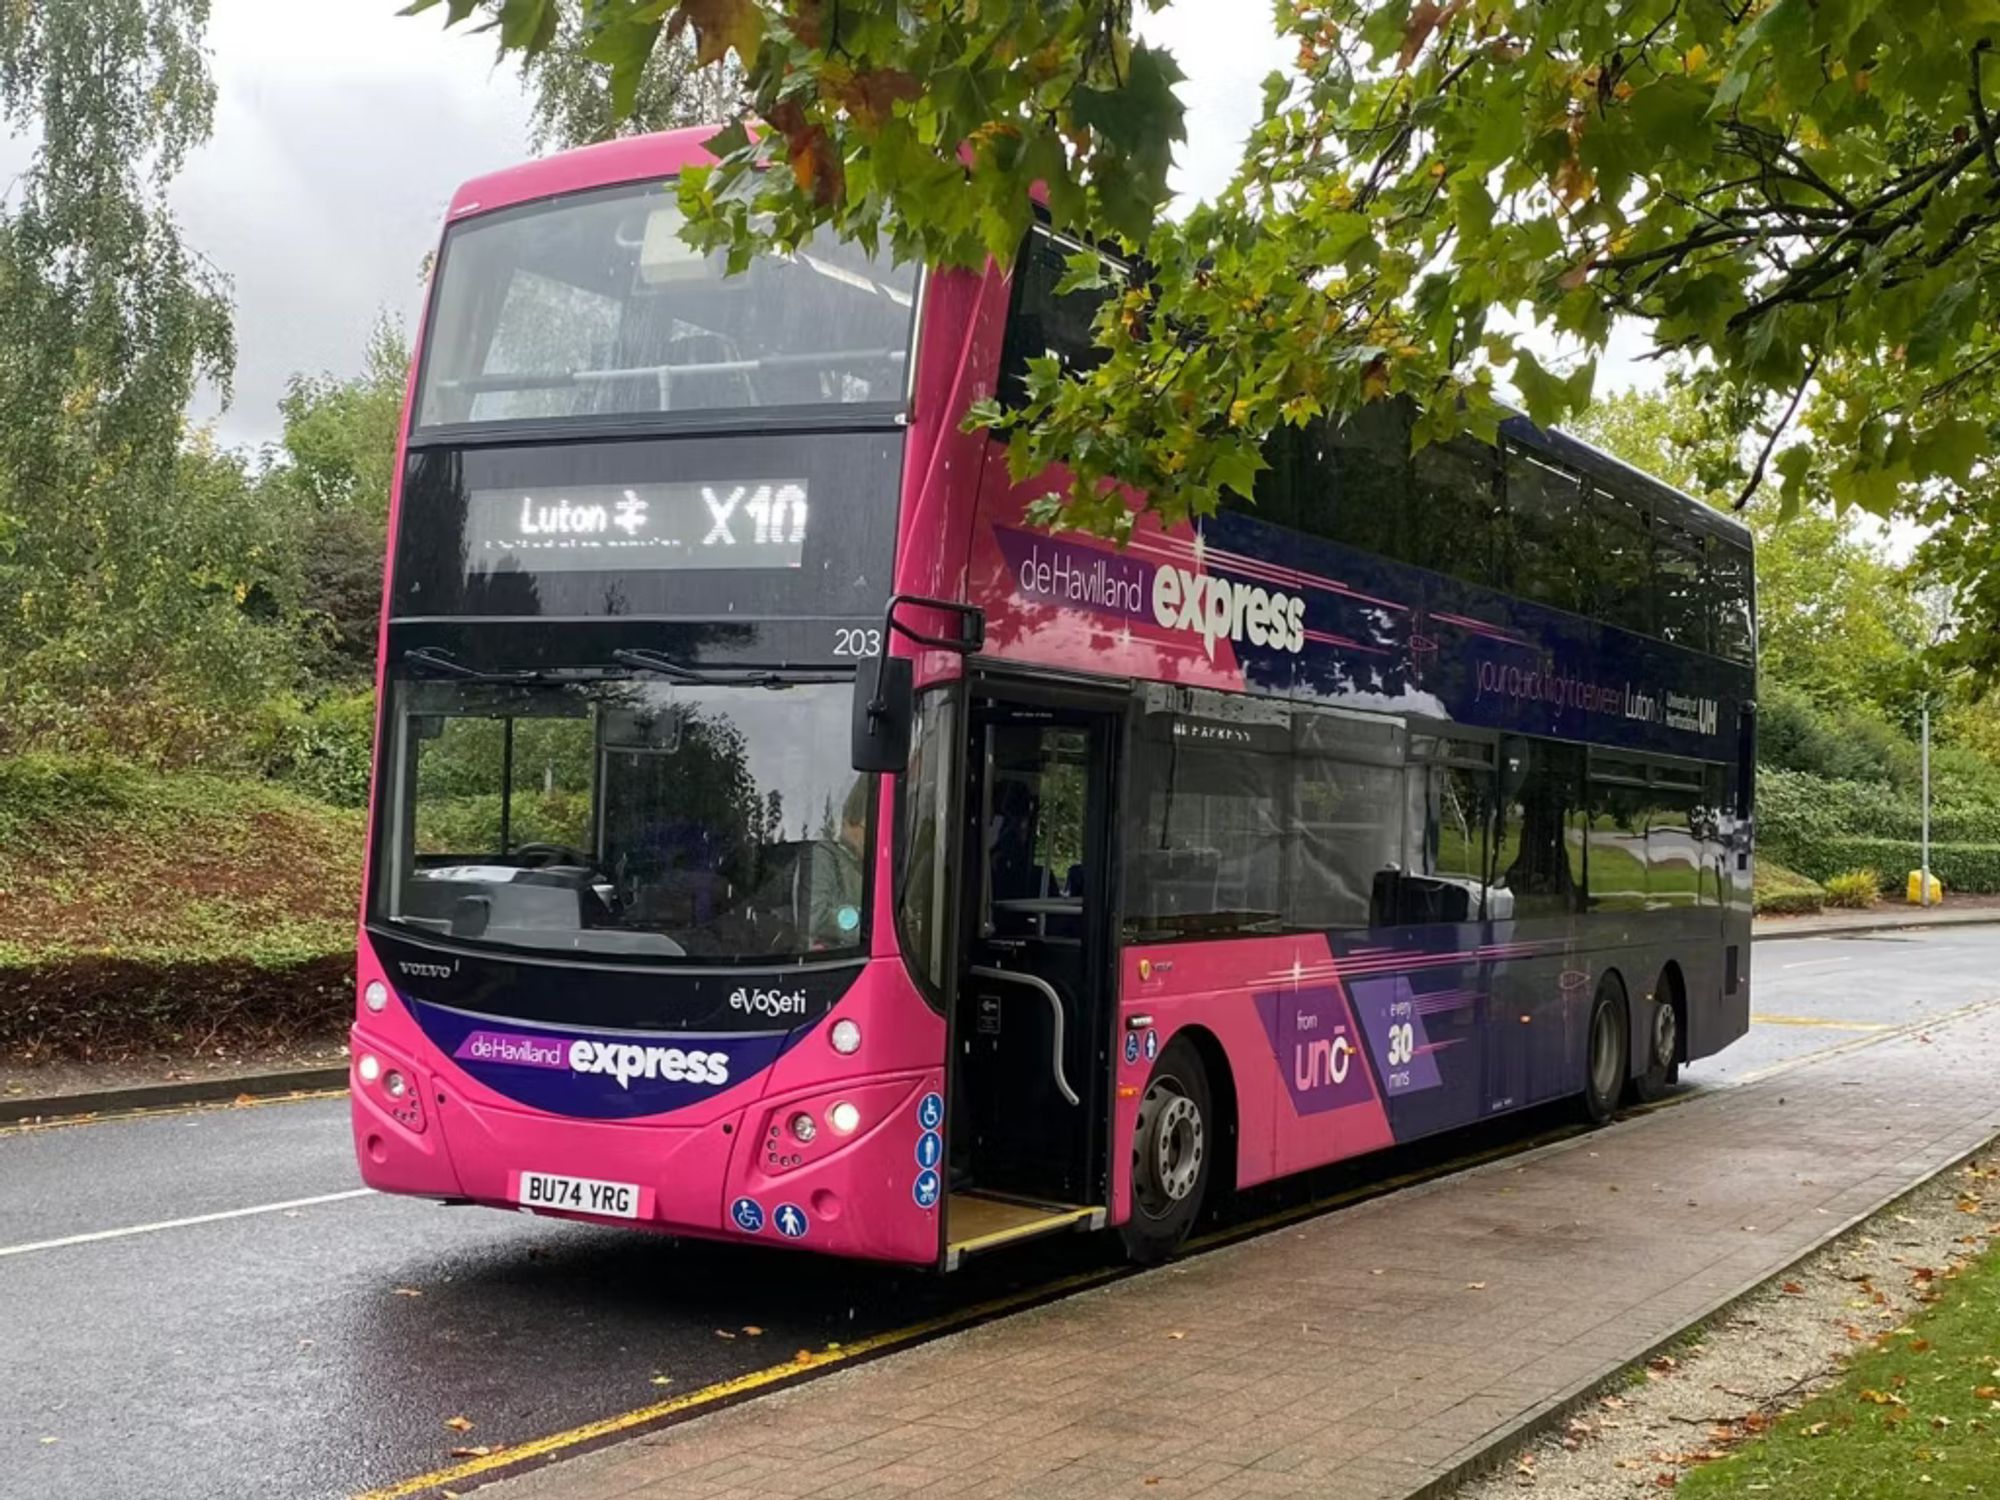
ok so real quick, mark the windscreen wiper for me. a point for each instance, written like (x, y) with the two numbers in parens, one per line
(666, 666)
(437, 659)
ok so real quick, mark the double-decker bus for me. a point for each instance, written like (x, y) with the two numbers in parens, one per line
(775, 838)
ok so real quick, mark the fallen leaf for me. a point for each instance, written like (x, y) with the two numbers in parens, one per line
(1986, 1392)
(459, 1424)
(1475, 1286)
(663, 1380)
(481, 1450)
(1919, 1346)
(1793, 1289)
(724, 1333)
(1818, 1429)
(753, 1330)
(1177, 1334)
(1662, 1363)
(803, 1357)
(405, 1291)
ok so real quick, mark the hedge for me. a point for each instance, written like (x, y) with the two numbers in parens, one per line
(1971, 869)
(1823, 827)
(107, 1009)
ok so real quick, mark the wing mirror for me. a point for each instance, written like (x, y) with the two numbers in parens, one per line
(885, 695)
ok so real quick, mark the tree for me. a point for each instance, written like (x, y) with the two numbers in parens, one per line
(332, 473)
(1803, 193)
(573, 94)
(117, 587)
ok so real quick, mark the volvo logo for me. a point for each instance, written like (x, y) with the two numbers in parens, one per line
(427, 971)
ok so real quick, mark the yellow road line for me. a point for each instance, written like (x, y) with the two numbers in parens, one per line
(777, 1376)
(1872, 1039)
(1820, 1021)
(199, 1106)
(741, 1385)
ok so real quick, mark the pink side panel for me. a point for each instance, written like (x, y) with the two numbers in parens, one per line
(1218, 987)
(1013, 578)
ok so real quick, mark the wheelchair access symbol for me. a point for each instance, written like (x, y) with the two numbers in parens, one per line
(926, 1189)
(748, 1214)
(930, 1111)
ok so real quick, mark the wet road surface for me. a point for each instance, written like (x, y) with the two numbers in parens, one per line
(207, 1303)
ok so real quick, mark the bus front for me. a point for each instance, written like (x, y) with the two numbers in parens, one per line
(624, 885)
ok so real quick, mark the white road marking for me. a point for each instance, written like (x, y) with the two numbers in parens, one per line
(227, 1213)
(1816, 963)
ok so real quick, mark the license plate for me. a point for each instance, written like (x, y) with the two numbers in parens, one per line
(577, 1195)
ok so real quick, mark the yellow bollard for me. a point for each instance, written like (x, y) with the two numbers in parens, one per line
(1915, 889)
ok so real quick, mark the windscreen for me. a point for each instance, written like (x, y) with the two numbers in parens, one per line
(654, 821)
(592, 305)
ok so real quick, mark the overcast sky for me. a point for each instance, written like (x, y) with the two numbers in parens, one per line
(341, 130)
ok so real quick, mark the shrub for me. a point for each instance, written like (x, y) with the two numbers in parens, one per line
(1857, 889)
(104, 1009)
(1782, 892)
(326, 750)
(1970, 869)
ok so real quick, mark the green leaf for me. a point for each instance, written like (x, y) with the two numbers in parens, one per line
(1946, 322)
(1951, 448)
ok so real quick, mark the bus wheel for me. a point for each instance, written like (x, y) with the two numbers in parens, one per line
(1605, 1054)
(1170, 1155)
(1663, 1046)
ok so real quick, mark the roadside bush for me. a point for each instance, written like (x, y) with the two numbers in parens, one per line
(1846, 744)
(1781, 892)
(326, 750)
(1856, 889)
(1968, 869)
(108, 1009)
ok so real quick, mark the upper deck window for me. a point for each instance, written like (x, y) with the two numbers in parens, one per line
(592, 305)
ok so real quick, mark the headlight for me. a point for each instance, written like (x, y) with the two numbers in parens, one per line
(844, 1118)
(846, 1038)
(369, 1067)
(395, 1084)
(803, 1128)
(376, 996)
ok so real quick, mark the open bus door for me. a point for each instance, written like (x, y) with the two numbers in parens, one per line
(1031, 1023)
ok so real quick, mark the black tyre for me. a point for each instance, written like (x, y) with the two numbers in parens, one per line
(1606, 1049)
(1171, 1155)
(1663, 1044)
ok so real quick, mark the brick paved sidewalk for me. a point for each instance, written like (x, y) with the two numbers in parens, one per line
(1370, 1352)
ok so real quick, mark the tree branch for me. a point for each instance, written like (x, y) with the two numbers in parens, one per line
(1771, 443)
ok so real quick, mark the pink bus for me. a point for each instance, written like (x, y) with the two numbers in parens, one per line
(776, 839)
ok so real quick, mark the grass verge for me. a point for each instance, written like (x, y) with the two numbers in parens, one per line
(1917, 1414)
(141, 910)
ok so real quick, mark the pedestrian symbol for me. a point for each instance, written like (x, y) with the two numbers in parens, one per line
(930, 1111)
(930, 1149)
(791, 1221)
(748, 1214)
(926, 1189)
(1152, 1045)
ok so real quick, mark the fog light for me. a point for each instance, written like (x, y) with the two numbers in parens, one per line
(395, 1084)
(844, 1118)
(376, 996)
(846, 1038)
(370, 1067)
(803, 1128)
